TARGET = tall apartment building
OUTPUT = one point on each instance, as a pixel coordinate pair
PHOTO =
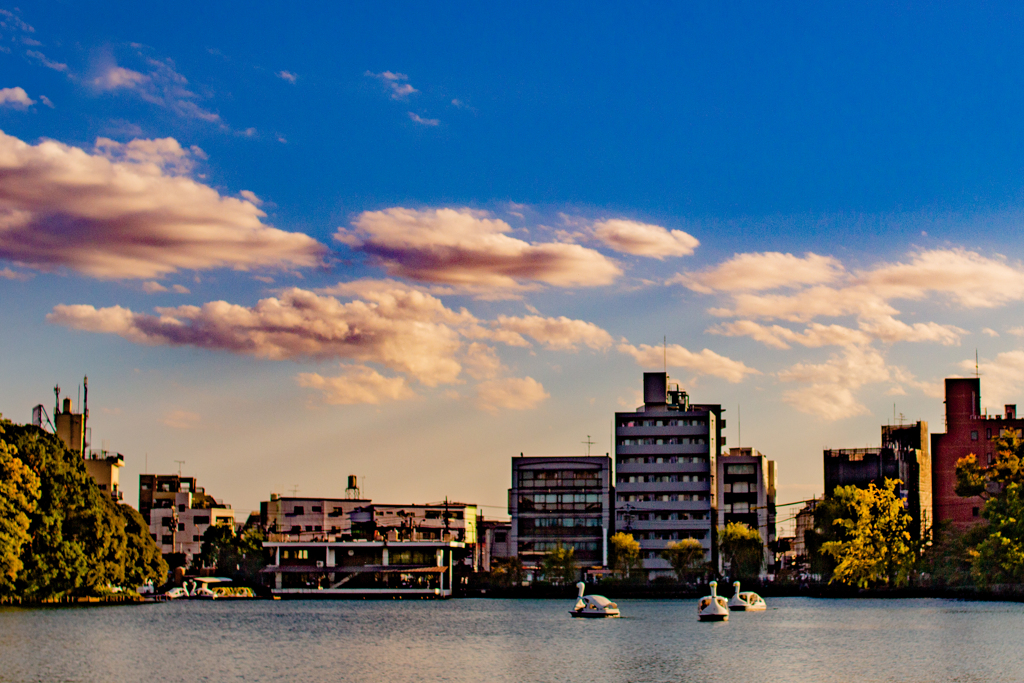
(561, 500)
(666, 457)
(179, 513)
(904, 455)
(968, 430)
(746, 485)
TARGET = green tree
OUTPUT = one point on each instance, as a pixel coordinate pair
(742, 550)
(686, 557)
(999, 555)
(19, 493)
(79, 541)
(560, 565)
(143, 561)
(840, 504)
(625, 553)
(877, 548)
(508, 572)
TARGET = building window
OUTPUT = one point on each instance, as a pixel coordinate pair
(166, 540)
(181, 526)
(195, 538)
(500, 537)
(201, 519)
(316, 508)
(974, 436)
(154, 536)
(988, 433)
(740, 469)
(181, 508)
(974, 512)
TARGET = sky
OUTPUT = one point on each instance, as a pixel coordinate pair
(409, 242)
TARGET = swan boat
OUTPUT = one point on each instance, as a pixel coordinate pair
(713, 607)
(593, 606)
(746, 601)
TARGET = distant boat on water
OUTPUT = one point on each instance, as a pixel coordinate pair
(713, 607)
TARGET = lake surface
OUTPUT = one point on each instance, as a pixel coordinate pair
(479, 641)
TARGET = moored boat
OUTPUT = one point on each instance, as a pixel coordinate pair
(746, 601)
(713, 607)
(593, 606)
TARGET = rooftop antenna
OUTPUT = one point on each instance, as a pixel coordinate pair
(295, 490)
(976, 362)
(589, 444)
(664, 351)
(180, 463)
(739, 426)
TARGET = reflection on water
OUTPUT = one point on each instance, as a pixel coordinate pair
(797, 639)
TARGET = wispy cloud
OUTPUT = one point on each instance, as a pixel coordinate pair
(357, 384)
(705, 362)
(182, 419)
(8, 274)
(287, 76)
(129, 211)
(48, 63)
(426, 122)
(396, 83)
(510, 393)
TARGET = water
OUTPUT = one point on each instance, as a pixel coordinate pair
(483, 641)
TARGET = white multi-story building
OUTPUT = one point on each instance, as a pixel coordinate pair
(179, 526)
(665, 463)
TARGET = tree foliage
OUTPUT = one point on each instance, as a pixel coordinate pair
(79, 541)
(625, 553)
(560, 565)
(240, 556)
(19, 493)
(999, 555)
(742, 550)
(686, 557)
(877, 547)
(508, 572)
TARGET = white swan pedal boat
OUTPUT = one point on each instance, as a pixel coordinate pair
(713, 607)
(593, 606)
(746, 601)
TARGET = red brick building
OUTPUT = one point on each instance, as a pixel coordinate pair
(968, 431)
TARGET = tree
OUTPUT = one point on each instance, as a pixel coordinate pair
(877, 548)
(841, 504)
(508, 572)
(625, 553)
(79, 540)
(19, 493)
(685, 556)
(143, 561)
(999, 556)
(560, 565)
(742, 550)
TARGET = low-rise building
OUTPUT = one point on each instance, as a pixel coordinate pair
(746, 493)
(561, 501)
(360, 569)
(307, 519)
(179, 513)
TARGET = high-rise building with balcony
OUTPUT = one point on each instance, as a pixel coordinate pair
(665, 462)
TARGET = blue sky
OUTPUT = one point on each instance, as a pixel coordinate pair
(818, 207)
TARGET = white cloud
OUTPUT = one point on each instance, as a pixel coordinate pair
(46, 100)
(468, 248)
(15, 98)
(763, 271)
(357, 384)
(180, 289)
(395, 82)
(128, 212)
(831, 385)
(422, 121)
(557, 333)
(8, 274)
(510, 393)
(779, 337)
(706, 362)
(990, 332)
(161, 85)
(287, 76)
(153, 287)
(643, 239)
